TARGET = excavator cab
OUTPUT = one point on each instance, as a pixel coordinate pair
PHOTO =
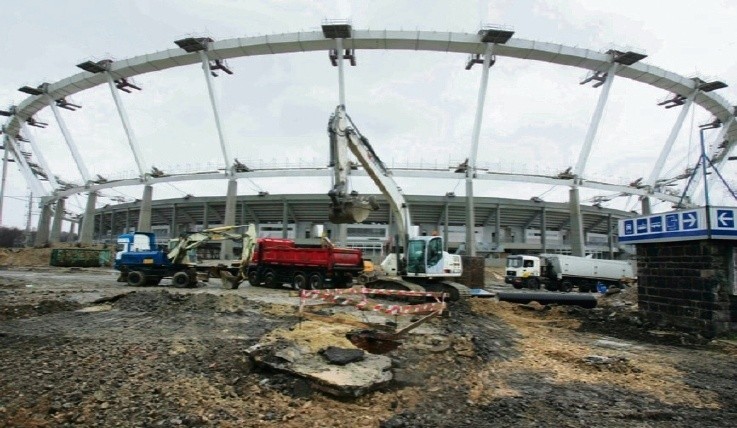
(423, 254)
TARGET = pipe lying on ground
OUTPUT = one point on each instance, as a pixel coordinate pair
(587, 301)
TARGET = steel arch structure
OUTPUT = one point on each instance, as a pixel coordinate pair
(50, 95)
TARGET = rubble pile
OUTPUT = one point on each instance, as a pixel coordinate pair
(19, 257)
(212, 357)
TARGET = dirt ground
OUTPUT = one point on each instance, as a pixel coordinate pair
(78, 348)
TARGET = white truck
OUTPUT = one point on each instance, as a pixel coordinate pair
(558, 272)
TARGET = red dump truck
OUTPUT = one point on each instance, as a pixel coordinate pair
(281, 261)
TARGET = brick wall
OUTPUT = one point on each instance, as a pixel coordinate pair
(473, 272)
(686, 285)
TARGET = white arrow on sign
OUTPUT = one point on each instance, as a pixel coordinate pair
(725, 219)
(689, 219)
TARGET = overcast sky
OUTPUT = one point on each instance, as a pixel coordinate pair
(413, 106)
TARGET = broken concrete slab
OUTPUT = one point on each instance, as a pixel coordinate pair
(342, 356)
(350, 380)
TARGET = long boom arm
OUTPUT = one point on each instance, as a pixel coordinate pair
(345, 134)
(194, 240)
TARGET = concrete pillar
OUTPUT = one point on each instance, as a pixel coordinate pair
(646, 209)
(88, 222)
(285, 221)
(144, 215)
(226, 248)
(174, 226)
(205, 213)
(112, 235)
(72, 225)
(127, 220)
(42, 231)
(578, 247)
(101, 227)
(447, 225)
(55, 236)
(498, 227)
(470, 217)
(543, 231)
(610, 236)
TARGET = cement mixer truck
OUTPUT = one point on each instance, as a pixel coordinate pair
(558, 272)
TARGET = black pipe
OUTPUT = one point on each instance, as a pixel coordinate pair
(587, 301)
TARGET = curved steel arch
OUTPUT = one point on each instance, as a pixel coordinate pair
(407, 173)
(389, 40)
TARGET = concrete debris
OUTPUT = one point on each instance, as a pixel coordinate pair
(342, 356)
(350, 380)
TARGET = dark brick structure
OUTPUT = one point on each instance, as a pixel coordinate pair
(688, 285)
(473, 272)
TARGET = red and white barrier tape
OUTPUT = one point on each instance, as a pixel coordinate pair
(339, 296)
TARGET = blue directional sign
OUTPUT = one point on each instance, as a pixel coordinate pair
(656, 224)
(671, 222)
(723, 223)
(725, 218)
(641, 225)
(690, 220)
(629, 227)
(686, 225)
(664, 227)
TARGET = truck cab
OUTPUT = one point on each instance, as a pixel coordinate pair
(521, 267)
(138, 248)
(137, 241)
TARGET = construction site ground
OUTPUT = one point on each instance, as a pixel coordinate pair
(79, 348)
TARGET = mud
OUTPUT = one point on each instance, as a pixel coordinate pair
(80, 349)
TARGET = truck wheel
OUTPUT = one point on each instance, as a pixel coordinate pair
(584, 287)
(270, 279)
(180, 280)
(136, 278)
(566, 286)
(551, 286)
(193, 281)
(533, 284)
(300, 282)
(315, 282)
(517, 285)
(253, 279)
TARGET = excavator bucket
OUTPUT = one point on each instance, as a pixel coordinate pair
(230, 281)
(353, 210)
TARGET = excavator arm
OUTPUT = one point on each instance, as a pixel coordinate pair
(187, 242)
(353, 208)
(249, 244)
(424, 256)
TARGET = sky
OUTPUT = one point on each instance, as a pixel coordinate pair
(415, 107)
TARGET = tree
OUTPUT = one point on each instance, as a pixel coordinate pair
(10, 237)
